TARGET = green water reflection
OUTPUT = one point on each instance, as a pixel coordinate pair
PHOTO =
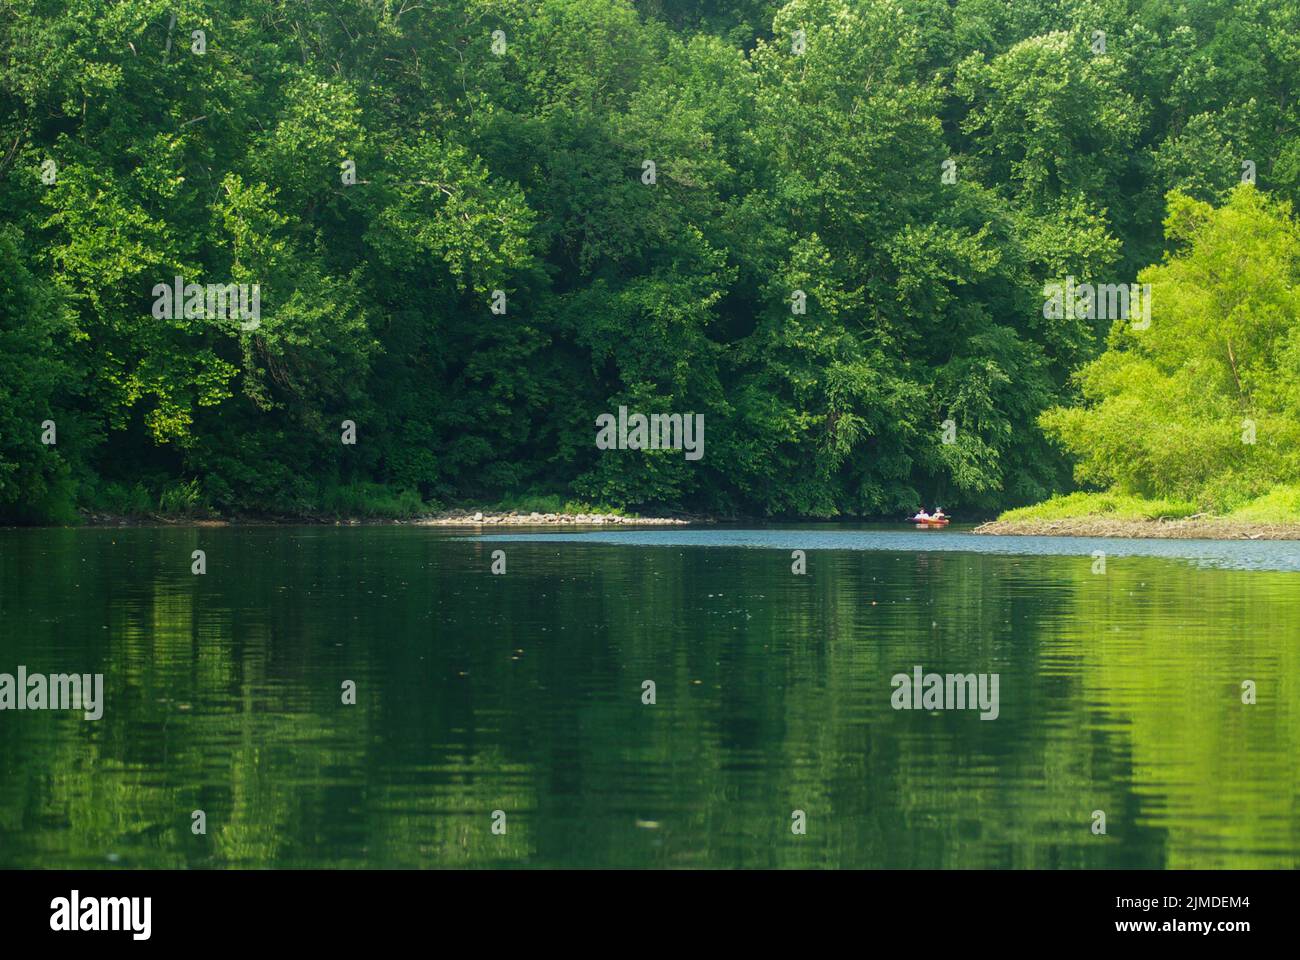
(1119, 692)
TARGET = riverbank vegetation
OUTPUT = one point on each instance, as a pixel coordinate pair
(1279, 505)
(358, 502)
(475, 227)
(1199, 414)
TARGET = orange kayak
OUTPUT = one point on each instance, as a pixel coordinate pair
(931, 524)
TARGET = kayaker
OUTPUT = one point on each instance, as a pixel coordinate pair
(938, 514)
(921, 515)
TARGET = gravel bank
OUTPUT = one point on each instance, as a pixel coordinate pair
(1197, 528)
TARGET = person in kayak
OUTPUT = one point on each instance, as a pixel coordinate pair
(921, 515)
(938, 514)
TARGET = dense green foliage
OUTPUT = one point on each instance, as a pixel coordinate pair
(1204, 406)
(521, 169)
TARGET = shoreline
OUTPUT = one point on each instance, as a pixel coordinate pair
(1193, 528)
(444, 518)
(462, 518)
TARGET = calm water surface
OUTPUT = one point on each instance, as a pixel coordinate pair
(1119, 692)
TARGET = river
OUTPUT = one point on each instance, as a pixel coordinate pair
(500, 720)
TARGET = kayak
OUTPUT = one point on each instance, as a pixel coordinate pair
(931, 524)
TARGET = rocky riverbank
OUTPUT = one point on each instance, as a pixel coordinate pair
(462, 518)
(1192, 528)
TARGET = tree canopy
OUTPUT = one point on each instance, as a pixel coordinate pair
(477, 225)
(1204, 405)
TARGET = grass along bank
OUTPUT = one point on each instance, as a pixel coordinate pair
(1273, 516)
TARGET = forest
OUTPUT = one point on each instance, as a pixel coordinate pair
(414, 250)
